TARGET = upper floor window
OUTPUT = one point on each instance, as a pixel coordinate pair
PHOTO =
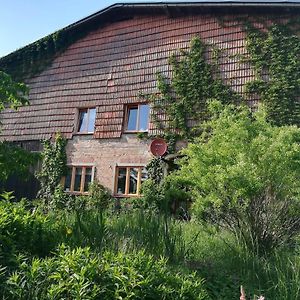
(86, 120)
(78, 179)
(128, 180)
(137, 117)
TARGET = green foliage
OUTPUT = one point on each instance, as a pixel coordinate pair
(23, 231)
(152, 196)
(81, 274)
(34, 58)
(157, 234)
(12, 94)
(99, 197)
(275, 56)
(155, 169)
(15, 160)
(244, 174)
(83, 228)
(184, 97)
(53, 167)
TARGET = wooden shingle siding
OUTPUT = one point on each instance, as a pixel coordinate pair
(112, 65)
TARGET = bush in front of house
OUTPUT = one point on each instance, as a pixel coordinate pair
(82, 274)
(243, 173)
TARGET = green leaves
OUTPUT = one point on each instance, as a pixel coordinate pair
(241, 170)
(82, 274)
(12, 94)
(53, 167)
(275, 57)
(183, 98)
(15, 160)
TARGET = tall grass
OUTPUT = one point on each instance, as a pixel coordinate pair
(157, 234)
(213, 254)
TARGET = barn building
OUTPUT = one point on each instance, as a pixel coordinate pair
(86, 79)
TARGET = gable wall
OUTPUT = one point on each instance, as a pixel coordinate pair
(110, 67)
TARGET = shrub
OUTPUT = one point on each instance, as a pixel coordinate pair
(81, 274)
(244, 174)
(99, 197)
(24, 231)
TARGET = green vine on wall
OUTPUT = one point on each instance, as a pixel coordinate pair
(36, 57)
(183, 99)
(275, 55)
(54, 161)
(155, 170)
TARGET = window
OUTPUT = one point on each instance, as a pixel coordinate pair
(86, 120)
(137, 117)
(128, 180)
(78, 179)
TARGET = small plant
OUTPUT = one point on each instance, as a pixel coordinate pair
(99, 197)
(7, 196)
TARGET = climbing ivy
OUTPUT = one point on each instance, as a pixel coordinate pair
(34, 58)
(183, 98)
(53, 167)
(275, 56)
(155, 170)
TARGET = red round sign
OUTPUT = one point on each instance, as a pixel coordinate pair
(158, 147)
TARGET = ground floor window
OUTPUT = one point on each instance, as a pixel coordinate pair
(78, 179)
(129, 179)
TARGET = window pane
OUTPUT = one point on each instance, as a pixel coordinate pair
(132, 118)
(144, 117)
(92, 118)
(88, 178)
(133, 180)
(121, 181)
(77, 181)
(68, 180)
(82, 126)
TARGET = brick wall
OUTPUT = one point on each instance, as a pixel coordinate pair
(106, 154)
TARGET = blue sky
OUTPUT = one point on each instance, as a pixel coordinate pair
(25, 21)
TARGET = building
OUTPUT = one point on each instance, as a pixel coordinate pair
(85, 80)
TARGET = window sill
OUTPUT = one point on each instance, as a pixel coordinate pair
(135, 131)
(77, 193)
(127, 196)
(83, 133)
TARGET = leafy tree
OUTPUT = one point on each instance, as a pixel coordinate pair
(12, 94)
(13, 159)
(244, 174)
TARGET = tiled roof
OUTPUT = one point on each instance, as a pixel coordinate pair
(113, 64)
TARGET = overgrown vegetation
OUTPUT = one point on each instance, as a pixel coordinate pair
(183, 98)
(244, 174)
(275, 56)
(133, 254)
(13, 159)
(54, 161)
